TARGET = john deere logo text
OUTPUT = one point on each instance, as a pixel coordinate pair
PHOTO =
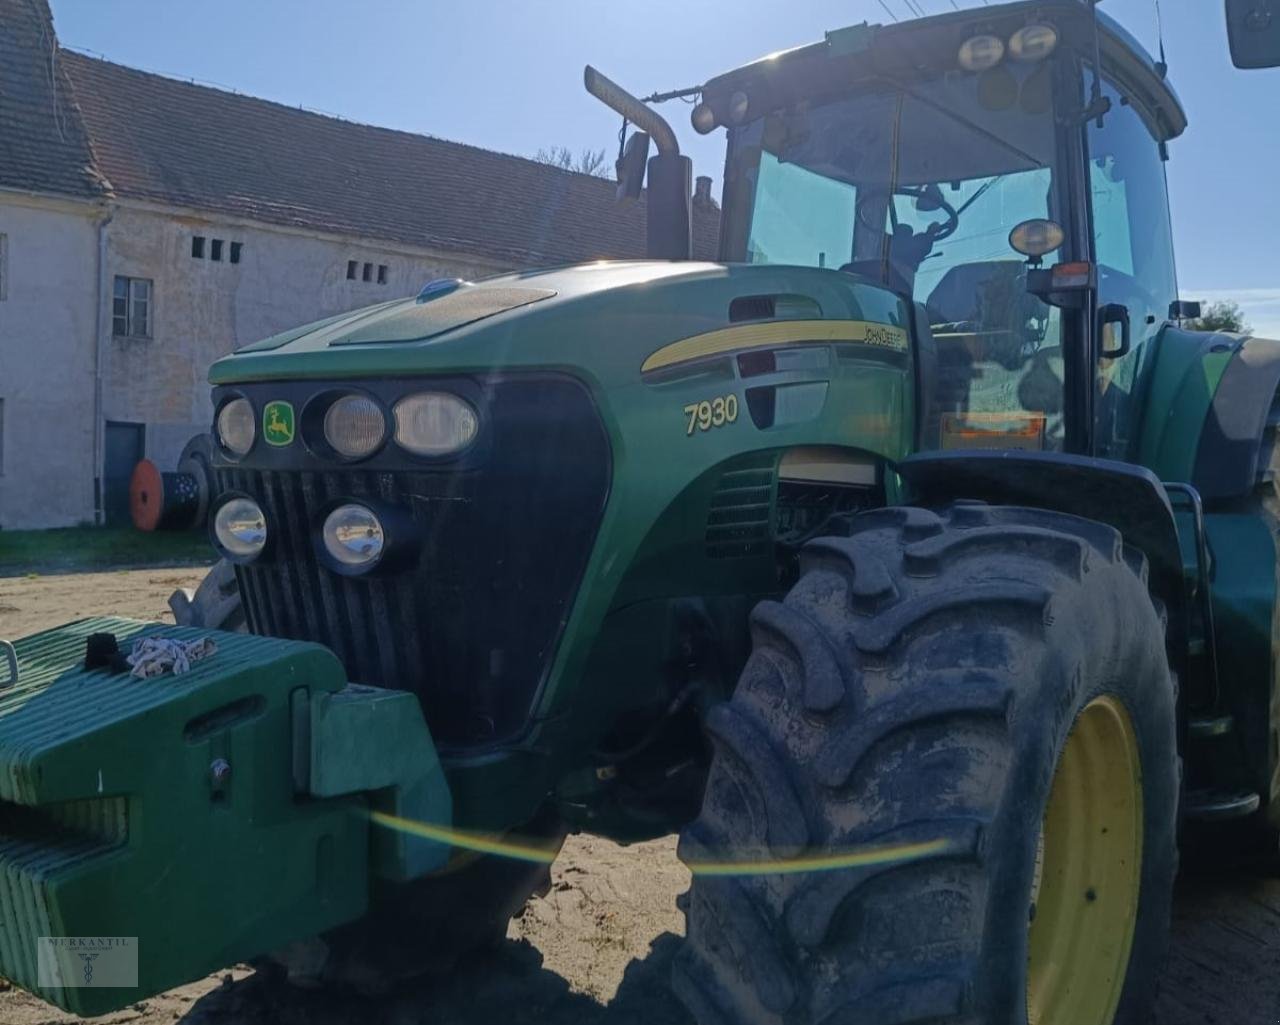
(277, 423)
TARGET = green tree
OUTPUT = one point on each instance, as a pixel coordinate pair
(1221, 316)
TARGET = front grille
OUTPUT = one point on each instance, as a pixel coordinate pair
(471, 622)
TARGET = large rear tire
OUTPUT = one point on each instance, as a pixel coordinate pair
(991, 681)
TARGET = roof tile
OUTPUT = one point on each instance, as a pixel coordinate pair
(43, 146)
(173, 142)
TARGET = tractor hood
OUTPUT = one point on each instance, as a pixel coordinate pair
(604, 322)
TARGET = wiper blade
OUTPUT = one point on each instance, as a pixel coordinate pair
(979, 194)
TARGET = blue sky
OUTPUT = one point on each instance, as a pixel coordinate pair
(507, 75)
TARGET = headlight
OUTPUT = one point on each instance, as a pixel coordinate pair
(240, 528)
(434, 424)
(981, 53)
(353, 537)
(1033, 43)
(236, 427)
(354, 426)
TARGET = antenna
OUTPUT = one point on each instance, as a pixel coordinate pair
(1098, 104)
(1162, 66)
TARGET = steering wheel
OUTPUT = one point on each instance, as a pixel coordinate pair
(927, 197)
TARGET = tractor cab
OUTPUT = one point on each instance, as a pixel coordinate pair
(1003, 169)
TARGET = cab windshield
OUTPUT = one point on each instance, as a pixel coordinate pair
(918, 186)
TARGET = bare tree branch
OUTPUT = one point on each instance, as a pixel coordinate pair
(589, 161)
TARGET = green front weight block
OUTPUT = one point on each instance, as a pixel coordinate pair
(209, 817)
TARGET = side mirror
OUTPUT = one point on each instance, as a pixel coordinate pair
(1108, 316)
(1253, 28)
(630, 166)
(1184, 309)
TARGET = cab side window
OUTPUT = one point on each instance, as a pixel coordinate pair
(1133, 245)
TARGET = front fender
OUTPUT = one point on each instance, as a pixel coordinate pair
(1129, 498)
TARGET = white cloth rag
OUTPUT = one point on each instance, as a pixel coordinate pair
(155, 656)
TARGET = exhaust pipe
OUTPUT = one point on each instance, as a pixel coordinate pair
(669, 205)
(645, 118)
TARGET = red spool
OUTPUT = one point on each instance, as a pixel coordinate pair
(162, 501)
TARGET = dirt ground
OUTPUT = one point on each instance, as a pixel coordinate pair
(596, 950)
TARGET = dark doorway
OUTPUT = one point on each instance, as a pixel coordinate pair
(125, 447)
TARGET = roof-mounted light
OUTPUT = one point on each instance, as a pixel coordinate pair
(703, 118)
(981, 53)
(1033, 43)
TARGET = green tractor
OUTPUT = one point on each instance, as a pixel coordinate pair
(913, 561)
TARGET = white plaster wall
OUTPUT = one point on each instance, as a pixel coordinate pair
(202, 310)
(46, 362)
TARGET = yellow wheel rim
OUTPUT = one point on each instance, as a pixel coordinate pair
(1084, 899)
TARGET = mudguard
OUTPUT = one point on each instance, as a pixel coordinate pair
(1206, 410)
(1127, 497)
(1230, 442)
(205, 818)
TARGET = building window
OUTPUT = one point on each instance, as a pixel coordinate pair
(357, 270)
(197, 247)
(215, 250)
(4, 267)
(131, 308)
(235, 251)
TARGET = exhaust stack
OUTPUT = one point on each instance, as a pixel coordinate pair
(643, 117)
(669, 208)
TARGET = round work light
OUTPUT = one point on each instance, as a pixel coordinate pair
(354, 426)
(236, 427)
(981, 52)
(240, 529)
(1033, 42)
(1037, 237)
(354, 537)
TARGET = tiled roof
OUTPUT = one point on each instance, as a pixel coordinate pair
(156, 138)
(42, 142)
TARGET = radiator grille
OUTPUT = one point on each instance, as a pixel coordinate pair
(499, 541)
(375, 625)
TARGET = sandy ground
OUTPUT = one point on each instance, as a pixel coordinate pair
(596, 949)
(37, 602)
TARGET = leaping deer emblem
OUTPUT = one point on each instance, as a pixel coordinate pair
(278, 423)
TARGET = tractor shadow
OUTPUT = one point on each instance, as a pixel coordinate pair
(507, 985)
(1224, 966)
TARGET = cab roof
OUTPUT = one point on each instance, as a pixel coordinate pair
(928, 46)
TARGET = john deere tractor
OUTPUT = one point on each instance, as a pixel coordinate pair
(913, 561)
